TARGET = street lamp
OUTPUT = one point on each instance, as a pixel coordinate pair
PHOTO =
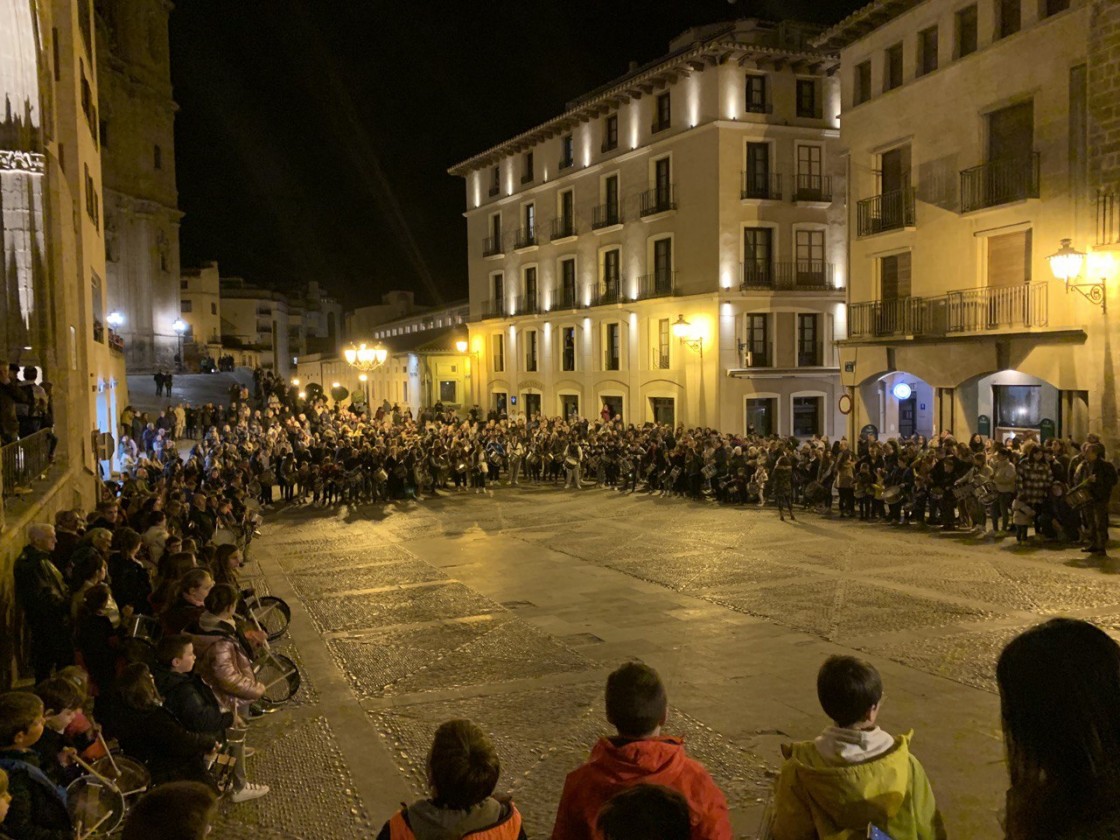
(180, 326)
(688, 335)
(115, 318)
(364, 357)
(1066, 265)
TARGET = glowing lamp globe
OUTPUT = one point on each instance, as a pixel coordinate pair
(1066, 263)
(901, 391)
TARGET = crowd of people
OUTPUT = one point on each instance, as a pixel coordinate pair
(165, 544)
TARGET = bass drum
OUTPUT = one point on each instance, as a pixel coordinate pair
(280, 677)
(129, 775)
(96, 808)
(272, 614)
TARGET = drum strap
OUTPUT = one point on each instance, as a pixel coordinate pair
(36, 775)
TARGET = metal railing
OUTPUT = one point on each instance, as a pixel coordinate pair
(609, 291)
(492, 245)
(1108, 217)
(567, 162)
(661, 283)
(525, 237)
(606, 215)
(903, 316)
(659, 199)
(526, 305)
(660, 125)
(25, 461)
(999, 182)
(494, 190)
(492, 309)
(608, 146)
(996, 307)
(116, 341)
(890, 211)
(768, 187)
(563, 227)
(760, 108)
(813, 188)
(567, 299)
(798, 274)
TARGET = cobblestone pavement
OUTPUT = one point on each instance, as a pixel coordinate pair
(512, 609)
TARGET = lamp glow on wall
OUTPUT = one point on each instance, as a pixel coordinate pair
(115, 319)
(688, 335)
(1066, 266)
(365, 357)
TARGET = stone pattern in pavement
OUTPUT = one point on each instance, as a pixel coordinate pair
(511, 610)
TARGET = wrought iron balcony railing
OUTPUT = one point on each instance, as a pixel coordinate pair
(526, 305)
(525, 237)
(809, 275)
(607, 292)
(563, 228)
(766, 187)
(813, 188)
(1108, 217)
(662, 283)
(606, 215)
(492, 245)
(1000, 182)
(659, 199)
(890, 211)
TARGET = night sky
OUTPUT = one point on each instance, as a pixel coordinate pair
(313, 138)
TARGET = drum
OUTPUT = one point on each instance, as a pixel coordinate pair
(753, 488)
(708, 471)
(224, 536)
(674, 474)
(814, 491)
(1078, 498)
(381, 476)
(129, 775)
(254, 488)
(272, 614)
(892, 495)
(280, 677)
(144, 629)
(571, 462)
(987, 494)
(936, 493)
(462, 467)
(96, 807)
(626, 466)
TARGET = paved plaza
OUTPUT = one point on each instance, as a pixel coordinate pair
(512, 609)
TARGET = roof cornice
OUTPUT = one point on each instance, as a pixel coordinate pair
(862, 21)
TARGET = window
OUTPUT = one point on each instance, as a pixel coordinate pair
(810, 174)
(448, 391)
(1010, 14)
(186, 306)
(966, 20)
(663, 265)
(663, 182)
(1052, 7)
(498, 344)
(526, 167)
(808, 340)
(894, 276)
(93, 209)
(807, 416)
(157, 157)
(756, 94)
(610, 199)
(762, 416)
(568, 284)
(55, 53)
(103, 131)
(565, 215)
(757, 256)
(1009, 259)
(662, 119)
(664, 410)
(809, 269)
(1017, 405)
(213, 309)
(530, 302)
(499, 290)
(612, 260)
(495, 180)
(758, 339)
(862, 91)
(892, 68)
(927, 51)
(612, 356)
(567, 153)
(98, 309)
(663, 344)
(531, 350)
(757, 179)
(568, 348)
(807, 98)
(610, 132)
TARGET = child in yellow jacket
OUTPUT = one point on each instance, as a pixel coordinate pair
(853, 774)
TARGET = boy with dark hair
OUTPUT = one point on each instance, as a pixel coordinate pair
(645, 812)
(38, 806)
(637, 707)
(463, 770)
(172, 811)
(61, 704)
(853, 774)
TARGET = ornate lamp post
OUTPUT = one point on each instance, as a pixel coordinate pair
(180, 326)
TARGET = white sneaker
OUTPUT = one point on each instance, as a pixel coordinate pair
(250, 791)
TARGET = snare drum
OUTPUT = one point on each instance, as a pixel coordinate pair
(571, 462)
(936, 493)
(892, 495)
(1078, 498)
(708, 471)
(129, 775)
(272, 614)
(96, 808)
(280, 676)
(987, 494)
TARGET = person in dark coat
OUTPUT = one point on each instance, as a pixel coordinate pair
(132, 587)
(96, 638)
(42, 593)
(68, 533)
(37, 810)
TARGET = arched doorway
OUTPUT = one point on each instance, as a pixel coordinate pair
(1009, 404)
(899, 404)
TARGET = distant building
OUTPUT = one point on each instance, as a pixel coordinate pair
(702, 190)
(979, 136)
(256, 320)
(315, 321)
(360, 322)
(201, 308)
(136, 131)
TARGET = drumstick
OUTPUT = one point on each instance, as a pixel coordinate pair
(105, 747)
(96, 825)
(94, 773)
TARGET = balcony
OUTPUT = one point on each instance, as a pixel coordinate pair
(807, 275)
(999, 182)
(660, 125)
(606, 215)
(813, 188)
(765, 187)
(98, 331)
(566, 299)
(492, 309)
(659, 200)
(890, 211)
(567, 163)
(977, 310)
(608, 146)
(116, 342)
(562, 228)
(526, 305)
(492, 246)
(527, 178)
(760, 108)
(494, 190)
(1108, 217)
(662, 283)
(606, 293)
(525, 237)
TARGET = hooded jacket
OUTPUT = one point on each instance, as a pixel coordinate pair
(618, 763)
(424, 820)
(832, 798)
(224, 664)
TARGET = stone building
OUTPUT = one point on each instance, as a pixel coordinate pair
(672, 245)
(978, 137)
(136, 128)
(255, 320)
(200, 306)
(53, 317)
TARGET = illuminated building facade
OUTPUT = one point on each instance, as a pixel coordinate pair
(702, 188)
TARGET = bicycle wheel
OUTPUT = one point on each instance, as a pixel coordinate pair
(272, 614)
(280, 676)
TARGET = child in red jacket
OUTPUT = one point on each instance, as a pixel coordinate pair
(637, 707)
